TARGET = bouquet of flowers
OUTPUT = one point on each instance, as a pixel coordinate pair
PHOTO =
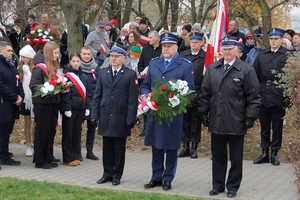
(50, 88)
(166, 100)
(38, 38)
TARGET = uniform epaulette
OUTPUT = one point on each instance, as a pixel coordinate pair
(186, 60)
(155, 58)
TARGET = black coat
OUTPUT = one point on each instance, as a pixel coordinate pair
(115, 102)
(265, 63)
(229, 98)
(147, 54)
(72, 100)
(198, 62)
(9, 91)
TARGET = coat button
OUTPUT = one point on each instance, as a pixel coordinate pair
(111, 106)
(111, 115)
(163, 77)
(112, 97)
(112, 88)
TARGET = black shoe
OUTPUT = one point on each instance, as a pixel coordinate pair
(10, 162)
(90, 155)
(103, 180)
(115, 182)
(153, 184)
(215, 192)
(53, 159)
(264, 158)
(274, 160)
(43, 166)
(166, 185)
(142, 134)
(53, 164)
(11, 154)
(231, 194)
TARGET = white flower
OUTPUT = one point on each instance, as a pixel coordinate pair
(32, 32)
(173, 86)
(46, 84)
(44, 90)
(39, 30)
(51, 38)
(174, 101)
(184, 91)
(40, 34)
(64, 80)
(50, 88)
(44, 36)
(46, 33)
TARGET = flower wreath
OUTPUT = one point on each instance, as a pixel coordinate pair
(38, 38)
(166, 100)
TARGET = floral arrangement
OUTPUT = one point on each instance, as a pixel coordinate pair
(38, 38)
(166, 100)
(50, 88)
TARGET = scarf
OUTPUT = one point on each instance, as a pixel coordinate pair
(87, 67)
(26, 80)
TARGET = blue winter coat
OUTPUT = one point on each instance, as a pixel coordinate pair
(162, 136)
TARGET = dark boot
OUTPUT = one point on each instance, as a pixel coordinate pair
(185, 152)
(78, 156)
(274, 160)
(264, 158)
(90, 155)
(194, 153)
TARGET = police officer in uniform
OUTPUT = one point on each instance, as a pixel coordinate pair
(272, 98)
(229, 104)
(162, 137)
(115, 105)
(191, 121)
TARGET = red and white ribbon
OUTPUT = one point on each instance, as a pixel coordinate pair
(17, 80)
(93, 73)
(146, 104)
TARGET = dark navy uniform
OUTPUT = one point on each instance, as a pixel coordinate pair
(162, 136)
(115, 104)
(191, 121)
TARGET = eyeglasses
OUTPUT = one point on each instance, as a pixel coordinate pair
(248, 38)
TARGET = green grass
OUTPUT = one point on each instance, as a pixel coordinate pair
(14, 189)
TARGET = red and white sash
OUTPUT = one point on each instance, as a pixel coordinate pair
(78, 84)
(43, 67)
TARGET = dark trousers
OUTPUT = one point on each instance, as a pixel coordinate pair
(220, 160)
(5, 130)
(90, 137)
(71, 134)
(45, 116)
(271, 117)
(114, 149)
(191, 126)
(159, 171)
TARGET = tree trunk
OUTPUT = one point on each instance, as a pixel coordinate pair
(174, 17)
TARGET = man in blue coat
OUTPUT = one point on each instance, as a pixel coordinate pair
(163, 137)
(115, 104)
(11, 97)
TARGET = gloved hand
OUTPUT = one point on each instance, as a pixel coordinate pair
(94, 123)
(286, 102)
(204, 120)
(130, 125)
(68, 113)
(249, 123)
(87, 112)
(98, 53)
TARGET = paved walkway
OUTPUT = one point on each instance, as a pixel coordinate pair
(193, 178)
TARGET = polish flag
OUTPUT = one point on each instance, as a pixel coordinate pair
(144, 39)
(102, 49)
(219, 30)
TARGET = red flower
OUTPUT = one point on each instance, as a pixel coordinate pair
(163, 88)
(54, 83)
(171, 95)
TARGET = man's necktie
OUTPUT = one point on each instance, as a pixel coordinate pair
(115, 72)
(166, 66)
(226, 66)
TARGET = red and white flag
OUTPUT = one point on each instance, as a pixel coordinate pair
(144, 39)
(219, 30)
(102, 49)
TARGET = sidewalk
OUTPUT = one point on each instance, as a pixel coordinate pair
(193, 177)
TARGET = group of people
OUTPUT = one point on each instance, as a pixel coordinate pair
(114, 67)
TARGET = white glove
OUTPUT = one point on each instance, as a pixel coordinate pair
(87, 112)
(68, 113)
